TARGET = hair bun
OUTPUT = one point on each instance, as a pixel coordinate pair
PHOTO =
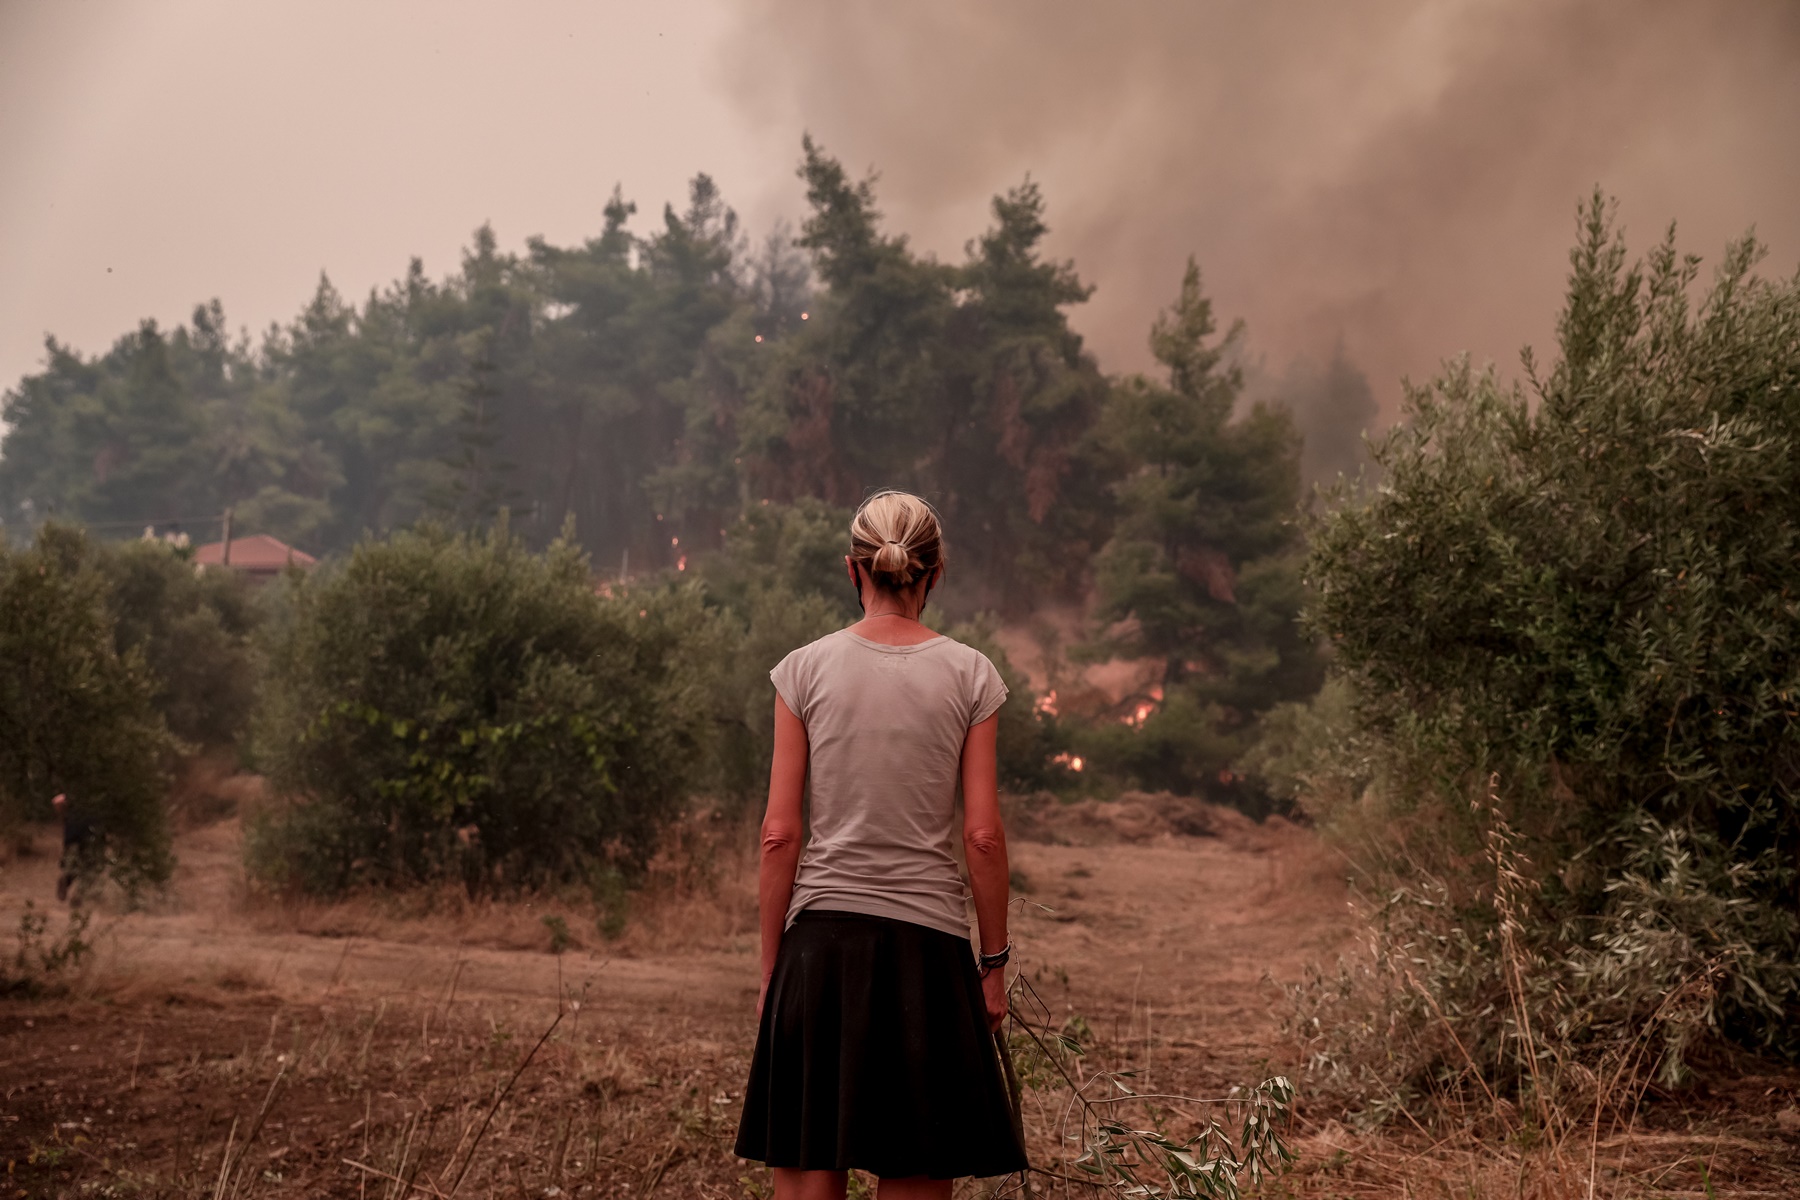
(896, 538)
(890, 559)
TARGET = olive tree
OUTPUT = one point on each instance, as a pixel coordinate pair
(453, 706)
(1586, 590)
(77, 715)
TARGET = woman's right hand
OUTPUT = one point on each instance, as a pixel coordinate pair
(993, 996)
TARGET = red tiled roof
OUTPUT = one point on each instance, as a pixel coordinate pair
(258, 552)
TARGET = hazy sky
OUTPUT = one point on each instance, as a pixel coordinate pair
(1400, 175)
(156, 154)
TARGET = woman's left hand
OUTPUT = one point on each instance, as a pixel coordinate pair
(993, 995)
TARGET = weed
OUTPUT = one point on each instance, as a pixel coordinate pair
(1126, 1146)
(41, 958)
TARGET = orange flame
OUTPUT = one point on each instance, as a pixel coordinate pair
(1140, 712)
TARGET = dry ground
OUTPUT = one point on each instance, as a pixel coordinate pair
(219, 1045)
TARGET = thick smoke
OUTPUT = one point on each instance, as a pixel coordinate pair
(1397, 178)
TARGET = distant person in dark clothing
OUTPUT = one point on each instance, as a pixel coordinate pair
(81, 843)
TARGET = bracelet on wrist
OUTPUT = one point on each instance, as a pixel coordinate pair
(987, 962)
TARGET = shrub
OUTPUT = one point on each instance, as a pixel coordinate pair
(773, 621)
(792, 549)
(1308, 755)
(1181, 746)
(76, 715)
(453, 706)
(1467, 994)
(194, 630)
(42, 957)
(1595, 597)
(778, 584)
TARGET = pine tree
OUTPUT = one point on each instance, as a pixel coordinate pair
(1202, 570)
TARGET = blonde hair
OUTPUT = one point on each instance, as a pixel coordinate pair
(896, 538)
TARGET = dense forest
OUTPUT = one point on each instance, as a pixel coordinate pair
(653, 386)
(680, 404)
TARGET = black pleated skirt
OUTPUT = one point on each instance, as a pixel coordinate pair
(874, 1054)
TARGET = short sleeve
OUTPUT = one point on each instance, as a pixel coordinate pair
(791, 680)
(988, 693)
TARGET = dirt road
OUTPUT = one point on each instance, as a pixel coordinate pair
(1184, 927)
(179, 1025)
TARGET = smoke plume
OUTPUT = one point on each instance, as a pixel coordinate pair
(1397, 178)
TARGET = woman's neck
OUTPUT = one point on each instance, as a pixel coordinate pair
(892, 628)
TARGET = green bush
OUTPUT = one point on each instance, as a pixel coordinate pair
(772, 621)
(793, 549)
(42, 958)
(448, 706)
(1309, 756)
(777, 584)
(1593, 593)
(76, 714)
(194, 630)
(1182, 747)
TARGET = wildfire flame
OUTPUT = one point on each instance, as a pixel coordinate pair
(1046, 704)
(1141, 711)
(1071, 761)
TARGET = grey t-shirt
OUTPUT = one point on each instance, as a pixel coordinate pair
(885, 727)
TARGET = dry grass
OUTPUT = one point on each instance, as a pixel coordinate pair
(211, 786)
(382, 1034)
(700, 889)
(1586, 1118)
(1699, 1162)
(698, 892)
(355, 1099)
(451, 1098)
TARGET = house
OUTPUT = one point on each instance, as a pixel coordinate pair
(259, 557)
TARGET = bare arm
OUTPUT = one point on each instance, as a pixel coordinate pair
(984, 845)
(783, 831)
